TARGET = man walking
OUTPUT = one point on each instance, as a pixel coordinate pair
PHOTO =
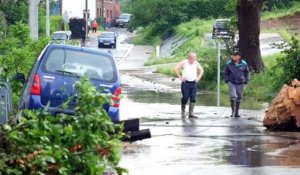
(191, 75)
(236, 74)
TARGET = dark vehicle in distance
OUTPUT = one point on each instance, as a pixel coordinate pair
(221, 29)
(107, 39)
(123, 20)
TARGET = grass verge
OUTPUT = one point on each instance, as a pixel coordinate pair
(279, 13)
(194, 31)
(144, 37)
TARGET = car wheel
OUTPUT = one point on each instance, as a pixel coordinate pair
(99, 45)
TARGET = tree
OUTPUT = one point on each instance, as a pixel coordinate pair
(249, 12)
(14, 10)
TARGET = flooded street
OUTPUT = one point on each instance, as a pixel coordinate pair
(212, 144)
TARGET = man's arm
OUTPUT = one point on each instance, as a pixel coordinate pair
(177, 69)
(247, 74)
(200, 72)
(226, 74)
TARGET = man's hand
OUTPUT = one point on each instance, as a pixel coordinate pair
(198, 79)
(182, 79)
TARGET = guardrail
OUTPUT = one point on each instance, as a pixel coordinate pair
(6, 106)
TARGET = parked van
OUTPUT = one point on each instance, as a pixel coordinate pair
(59, 67)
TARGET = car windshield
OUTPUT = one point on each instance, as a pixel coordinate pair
(107, 35)
(124, 16)
(220, 24)
(79, 63)
(59, 36)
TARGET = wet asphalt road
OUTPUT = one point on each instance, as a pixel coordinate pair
(212, 144)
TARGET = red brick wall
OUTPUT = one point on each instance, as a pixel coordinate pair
(112, 8)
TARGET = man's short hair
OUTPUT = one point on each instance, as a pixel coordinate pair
(235, 53)
(192, 53)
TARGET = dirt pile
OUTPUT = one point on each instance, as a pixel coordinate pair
(292, 23)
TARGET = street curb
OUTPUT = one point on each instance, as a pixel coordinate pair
(127, 53)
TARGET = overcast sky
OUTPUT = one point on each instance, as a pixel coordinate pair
(75, 8)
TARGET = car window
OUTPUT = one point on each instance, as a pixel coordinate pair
(94, 66)
(59, 36)
(220, 24)
(107, 35)
(124, 17)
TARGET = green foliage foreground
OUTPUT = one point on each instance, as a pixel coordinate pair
(17, 55)
(88, 143)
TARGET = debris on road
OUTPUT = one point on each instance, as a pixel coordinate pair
(284, 112)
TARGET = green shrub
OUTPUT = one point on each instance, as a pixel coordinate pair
(56, 23)
(3, 25)
(290, 63)
(87, 143)
(18, 53)
(146, 37)
(270, 5)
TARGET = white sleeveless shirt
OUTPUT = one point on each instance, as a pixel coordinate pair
(189, 72)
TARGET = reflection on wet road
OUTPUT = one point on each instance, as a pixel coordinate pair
(174, 150)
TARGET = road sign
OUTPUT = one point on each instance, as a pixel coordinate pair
(66, 17)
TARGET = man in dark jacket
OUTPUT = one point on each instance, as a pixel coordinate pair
(236, 75)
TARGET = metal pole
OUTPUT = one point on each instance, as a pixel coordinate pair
(86, 18)
(33, 11)
(157, 51)
(219, 73)
(47, 18)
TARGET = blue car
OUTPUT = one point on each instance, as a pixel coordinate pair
(59, 67)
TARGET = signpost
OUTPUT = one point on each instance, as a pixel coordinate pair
(86, 19)
(219, 40)
(219, 74)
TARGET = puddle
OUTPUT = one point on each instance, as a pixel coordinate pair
(203, 99)
(256, 152)
(197, 154)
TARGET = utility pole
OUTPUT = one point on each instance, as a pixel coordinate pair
(33, 11)
(86, 19)
(47, 18)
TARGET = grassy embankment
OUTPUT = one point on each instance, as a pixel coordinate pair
(283, 30)
(279, 13)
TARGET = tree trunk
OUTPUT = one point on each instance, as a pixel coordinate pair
(249, 29)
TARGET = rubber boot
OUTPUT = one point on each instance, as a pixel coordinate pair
(233, 108)
(191, 110)
(237, 110)
(183, 111)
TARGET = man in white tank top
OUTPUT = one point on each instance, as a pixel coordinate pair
(191, 75)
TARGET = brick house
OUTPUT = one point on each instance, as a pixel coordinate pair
(108, 9)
